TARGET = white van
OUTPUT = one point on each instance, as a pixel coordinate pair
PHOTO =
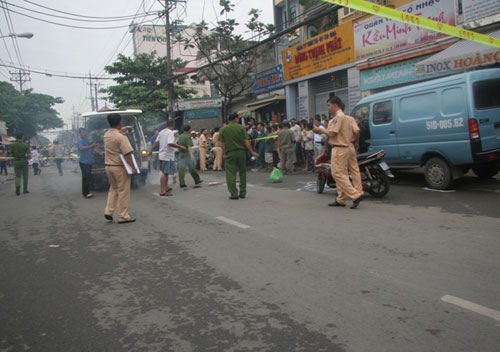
(96, 124)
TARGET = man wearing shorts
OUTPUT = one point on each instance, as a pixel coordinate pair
(166, 155)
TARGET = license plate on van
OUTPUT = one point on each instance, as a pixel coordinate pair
(384, 166)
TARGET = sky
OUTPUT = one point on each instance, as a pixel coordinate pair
(74, 51)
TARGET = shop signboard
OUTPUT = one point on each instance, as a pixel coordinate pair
(149, 38)
(269, 79)
(393, 74)
(476, 9)
(198, 103)
(462, 62)
(379, 35)
(201, 114)
(332, 48)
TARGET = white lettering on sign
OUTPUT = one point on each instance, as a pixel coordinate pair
(445, 124)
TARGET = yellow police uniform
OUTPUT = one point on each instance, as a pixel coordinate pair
(217, 152)
(341, 154)
(203, 153)
(352, 165)
(115, 144)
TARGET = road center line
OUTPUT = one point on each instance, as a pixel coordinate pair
(488, 312)
(232, 222)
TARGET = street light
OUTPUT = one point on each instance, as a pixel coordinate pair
(26, 35)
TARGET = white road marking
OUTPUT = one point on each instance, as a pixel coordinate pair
(232, 222)
(487, 312)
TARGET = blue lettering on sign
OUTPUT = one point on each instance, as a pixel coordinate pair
(269, 79)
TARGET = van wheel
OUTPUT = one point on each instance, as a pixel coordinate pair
(487, 171)
(438, 173)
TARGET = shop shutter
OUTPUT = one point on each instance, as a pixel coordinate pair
(325, 83)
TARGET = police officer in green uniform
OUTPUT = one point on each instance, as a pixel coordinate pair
(186, 158)
(234, 138)
(20, 151)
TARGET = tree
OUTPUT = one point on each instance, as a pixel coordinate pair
(142, 83)
(29, 112)
(232, 77)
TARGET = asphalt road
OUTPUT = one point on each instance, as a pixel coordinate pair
(277, 271)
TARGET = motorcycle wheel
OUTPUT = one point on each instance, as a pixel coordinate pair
(380, 183)
(320, 184)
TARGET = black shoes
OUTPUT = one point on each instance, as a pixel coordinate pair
(234, 197)
(242, 196)
(356, 202)
(18, 190)
(336, 204)
(25, 191)
(126, 221)
(108, 217)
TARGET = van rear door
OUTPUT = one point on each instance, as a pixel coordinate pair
(486, 94)
(383, 130)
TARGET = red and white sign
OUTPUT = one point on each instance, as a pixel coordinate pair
(379, 35)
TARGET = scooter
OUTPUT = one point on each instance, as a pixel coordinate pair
(375, 173)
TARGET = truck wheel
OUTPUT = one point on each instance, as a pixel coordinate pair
(438, 173)
(380, 183)
(486, 171)
(320, 184)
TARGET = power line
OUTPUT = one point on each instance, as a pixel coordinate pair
(75, 19)
(78, 15)
(62, 24)
(28, 69)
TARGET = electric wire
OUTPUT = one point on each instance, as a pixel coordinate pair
(78, 15)
(74, 19)
(65, 25)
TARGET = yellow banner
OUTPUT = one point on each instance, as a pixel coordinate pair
(332, 48)
(418, 21)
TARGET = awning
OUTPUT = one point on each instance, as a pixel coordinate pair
(256, 105)
(462, 55)
(266, 101)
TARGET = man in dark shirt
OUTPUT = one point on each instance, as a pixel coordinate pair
(20, 152)
(186, 158)
(85, 151)
(234, 138)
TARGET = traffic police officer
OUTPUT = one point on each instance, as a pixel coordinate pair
(341, 136)
(234, 139)
(20, 151)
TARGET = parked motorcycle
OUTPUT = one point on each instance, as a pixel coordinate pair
(375, 173)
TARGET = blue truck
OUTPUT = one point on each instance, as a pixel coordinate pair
(447, 125)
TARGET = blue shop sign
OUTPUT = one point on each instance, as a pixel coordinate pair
(269, 79)
(201, 113)
(394, 74)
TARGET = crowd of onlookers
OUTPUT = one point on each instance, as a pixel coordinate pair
(276, 147)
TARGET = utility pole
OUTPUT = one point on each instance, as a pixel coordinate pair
(91, 93)
(170, 83)
(96, 85)
(20, 76)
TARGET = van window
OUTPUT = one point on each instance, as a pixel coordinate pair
(453, 101)
(362, 111)
(486, 94)
(382, 112)
(420, 106)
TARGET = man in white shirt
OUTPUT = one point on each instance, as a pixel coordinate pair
(35, 159)
(319, 143)
(295, 127)
(166, 139)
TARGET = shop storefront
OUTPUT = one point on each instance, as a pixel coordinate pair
(270, 105)
(387, 51)
(317, 69)
(201, 112)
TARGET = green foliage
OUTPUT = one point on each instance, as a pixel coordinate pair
(141, 84)
(232, 77)
(29, 112)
